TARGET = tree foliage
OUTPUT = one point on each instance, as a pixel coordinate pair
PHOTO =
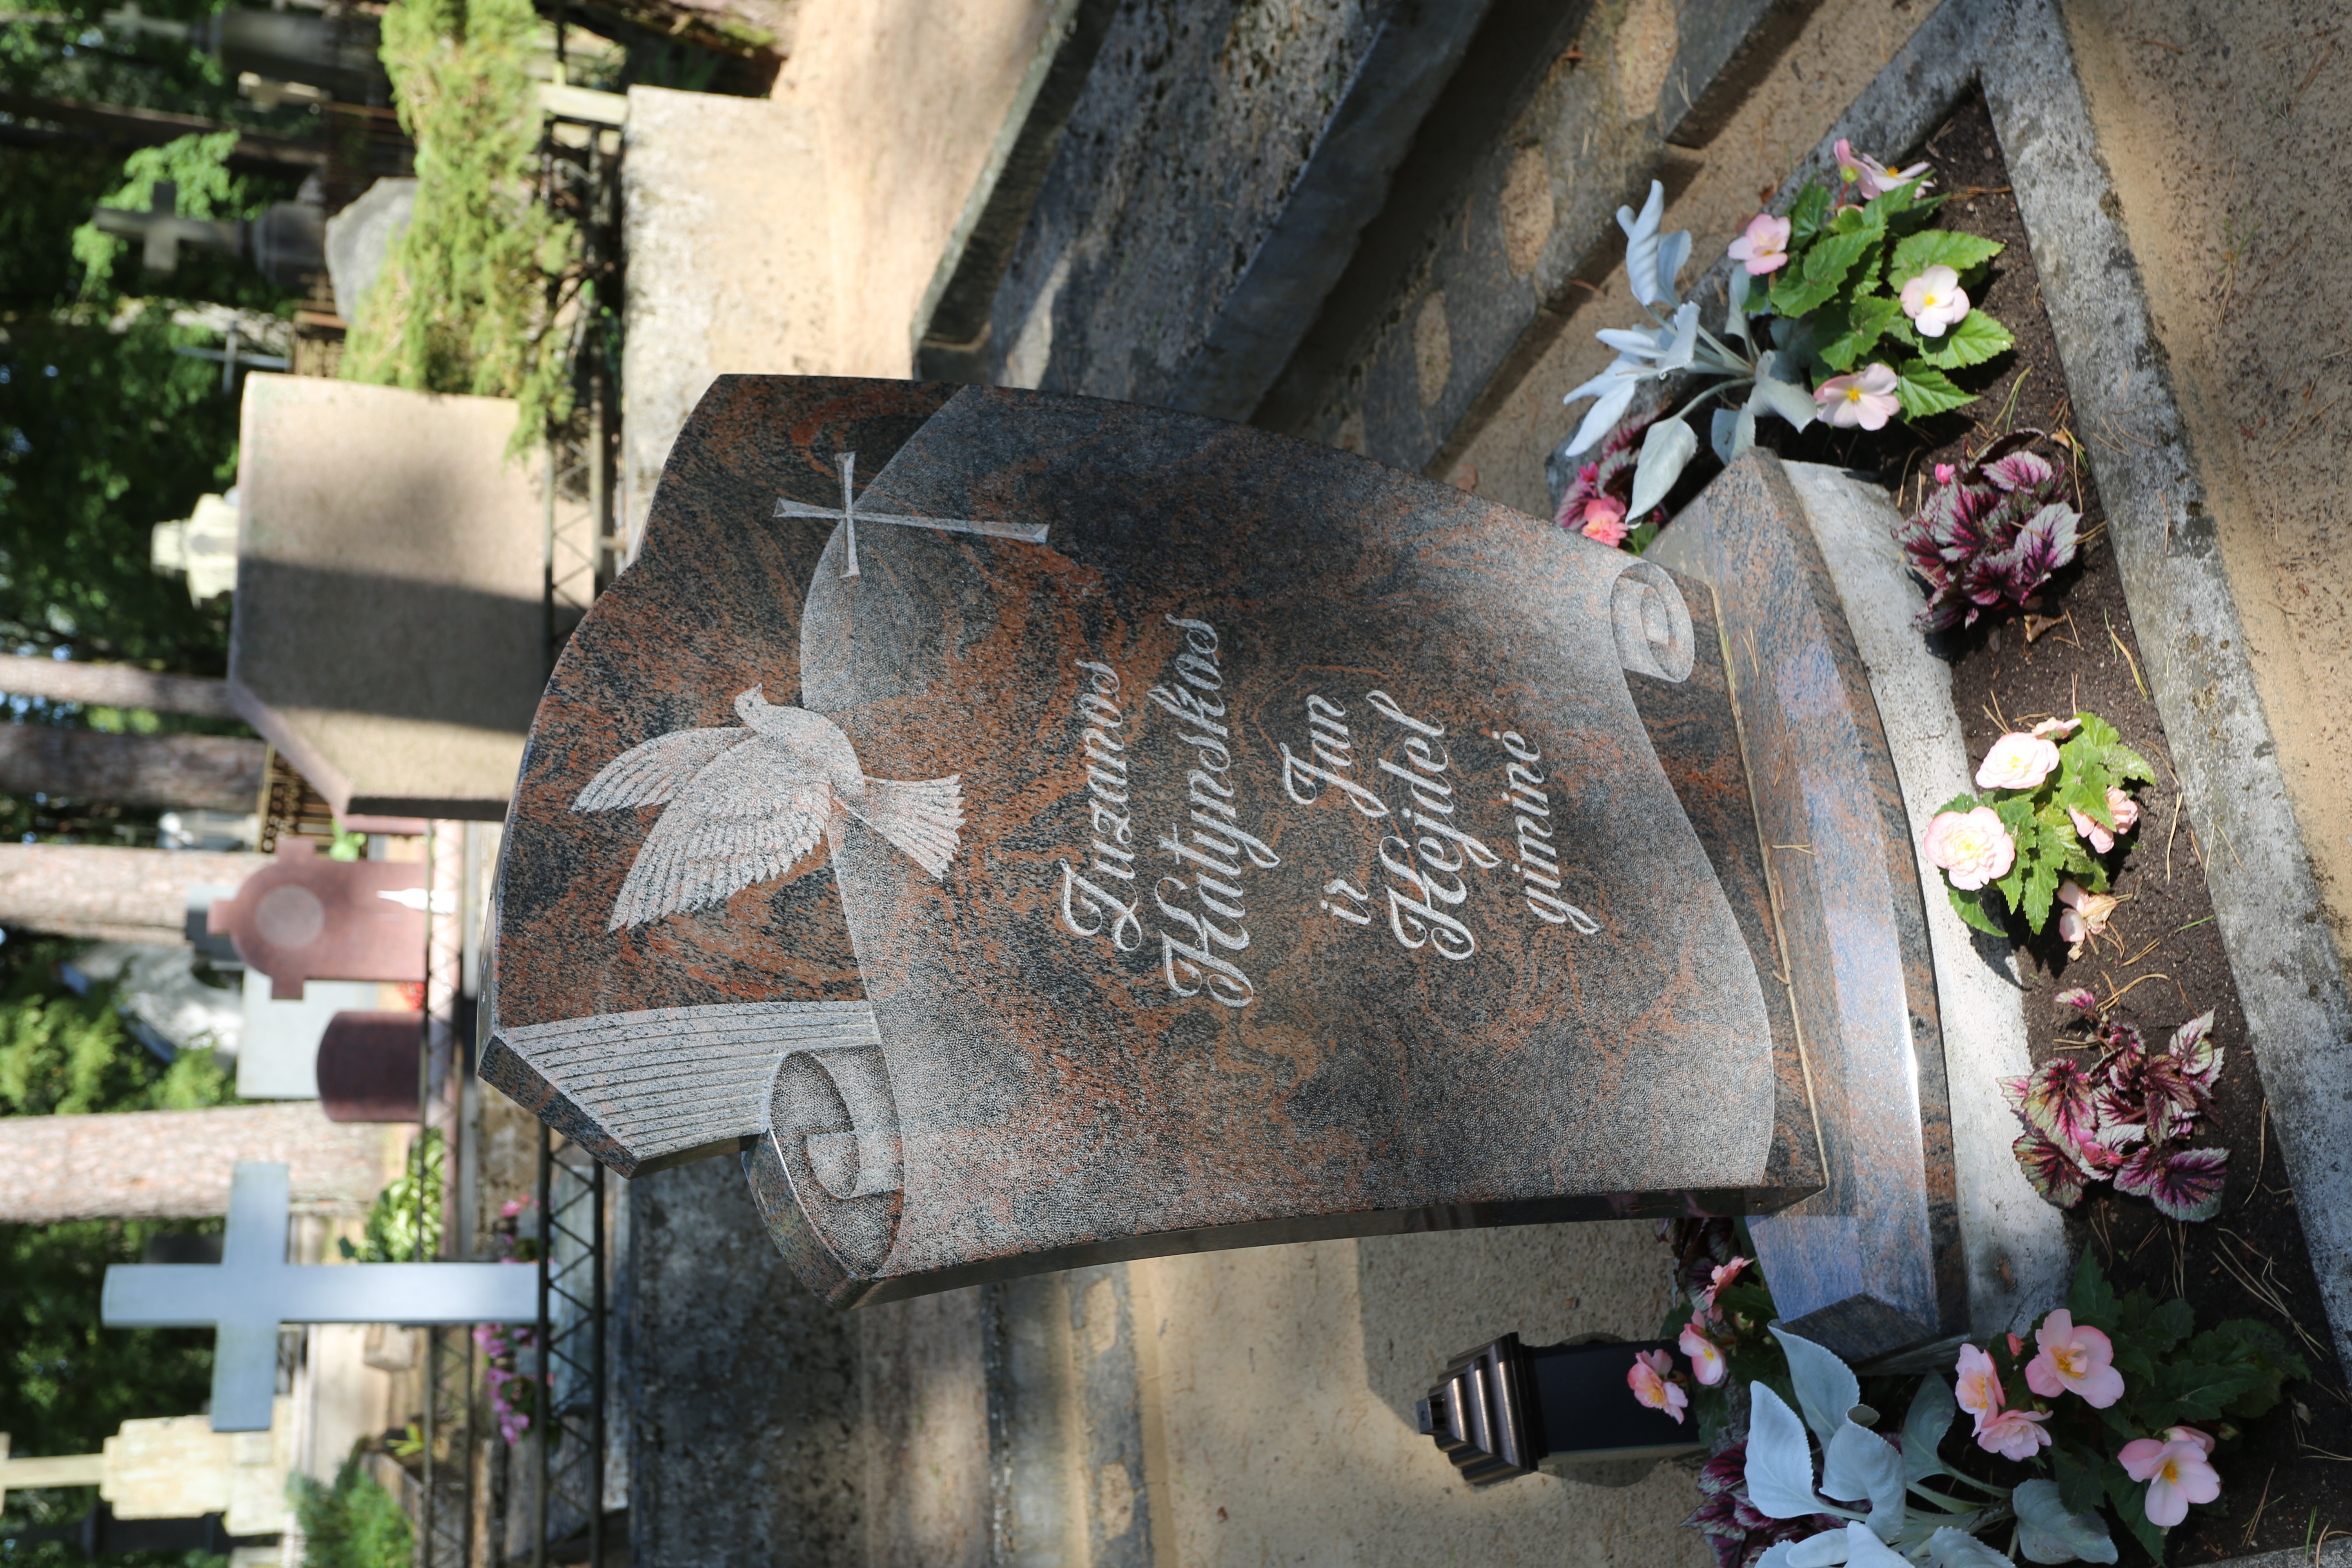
(353, 1524)
(105, 432)
(463, 303)
(66, 1383)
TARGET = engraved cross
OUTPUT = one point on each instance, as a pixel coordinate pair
(849, 517)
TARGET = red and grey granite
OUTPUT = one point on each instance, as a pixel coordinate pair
(1170, 837)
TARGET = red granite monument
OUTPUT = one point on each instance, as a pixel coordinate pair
(1033, 830)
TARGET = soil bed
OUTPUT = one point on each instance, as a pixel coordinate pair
(2287, 1479)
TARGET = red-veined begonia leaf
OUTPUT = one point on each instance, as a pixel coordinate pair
(2184, 1185)
(2051, 1170)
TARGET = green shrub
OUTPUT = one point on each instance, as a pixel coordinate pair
(463, 301)
(355, 1523)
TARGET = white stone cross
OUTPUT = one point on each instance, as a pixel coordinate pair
(849, 517)
(252, 1289)
(53, 1470)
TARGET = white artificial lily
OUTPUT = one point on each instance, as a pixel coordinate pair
(1673, 342)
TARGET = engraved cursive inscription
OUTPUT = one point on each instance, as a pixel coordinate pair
(1538, 862)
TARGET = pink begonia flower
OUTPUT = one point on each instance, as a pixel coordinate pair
(2016, 1345)
(2084, 916)
(2055, 729)
(1706, 1355)
(1717, 1279)
(2177, 1474)
(1944, 472)
(2121, 806)
(2014, 1435)
(2077, 1359)
(1971, 848)
(1875, 178)
(1604, 520)
(2017, 761)
(1866, 397)
(1763, 246)
(1935, 301)
(1647, 1378)
(2189, 1435)
(1979, 1386)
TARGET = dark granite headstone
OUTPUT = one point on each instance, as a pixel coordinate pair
(1129, 834)
(367, 1066)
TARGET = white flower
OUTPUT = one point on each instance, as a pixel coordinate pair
(1934, 300)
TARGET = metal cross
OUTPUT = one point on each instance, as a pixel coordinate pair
(252, 1289)
(849, 517)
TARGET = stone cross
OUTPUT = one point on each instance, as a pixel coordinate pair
(848, 517)
(253, 1290)
(52, 1470)
(162, 231)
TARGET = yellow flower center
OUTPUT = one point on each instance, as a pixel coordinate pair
(2170, 1472)
(2069, 1360)
(1929, 301)
(1853, 394)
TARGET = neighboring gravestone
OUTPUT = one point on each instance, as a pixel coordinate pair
(306, 917)
(253, 1290)
(391, 623)
(368, 1067)
(1068, 831)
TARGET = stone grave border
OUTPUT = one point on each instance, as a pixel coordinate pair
(2290, 975)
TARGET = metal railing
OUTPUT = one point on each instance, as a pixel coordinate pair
(569, 1497)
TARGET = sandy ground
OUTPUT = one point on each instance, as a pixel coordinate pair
(2225, 126)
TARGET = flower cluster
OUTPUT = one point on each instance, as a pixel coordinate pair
(2071, 1359)
(1992, 531)
(514, 1395)
(1599, 499)
(2124, 1118)
(2122, 1398)
(2052, 809)
(2121, 1401)
(1867, 310)
(509, 1241)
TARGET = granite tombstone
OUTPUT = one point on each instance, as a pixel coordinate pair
(1033, 830)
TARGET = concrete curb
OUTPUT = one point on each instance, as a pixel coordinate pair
(2016, 1243)
(2290, 975)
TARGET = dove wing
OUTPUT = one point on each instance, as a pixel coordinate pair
(651, 773)
(747, 815)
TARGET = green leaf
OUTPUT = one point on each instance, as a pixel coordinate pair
(2127, 1500)
(2040, 891)
(2171, 1324)
(1972, 340)
(2083, 780)
(1804, 286)
(1806, 211)
(1925, 390)
(2080, 1485)
(2090, 1299)
(1971, 908)
(1941, 247)
(2201, 1392)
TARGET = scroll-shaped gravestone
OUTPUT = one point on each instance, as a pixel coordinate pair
(1072, 831)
